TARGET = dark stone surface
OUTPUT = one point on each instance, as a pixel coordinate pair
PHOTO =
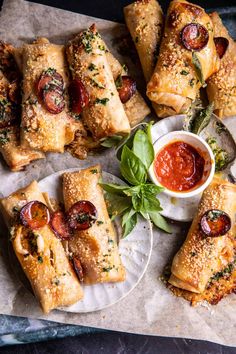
(106, 342)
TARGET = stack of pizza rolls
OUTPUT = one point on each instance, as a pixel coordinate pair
(61, 249)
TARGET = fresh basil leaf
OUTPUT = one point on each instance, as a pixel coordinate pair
(128, 141)
(198, 69)
(160, 222)
(137, 201)
(149, 131)
(129, 225)
(149, 204)
(143, 148)
(202, 119)
(111, 141)
(132, 190)
(127, 215)
(151, 189)
(132, 168)
(145, 215)
(114, 188)
(116, 204)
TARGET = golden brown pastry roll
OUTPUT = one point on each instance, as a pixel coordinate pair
(39, 251)
(221, 86)
(96, 247)
(46, 122)
(144, 19)
(187, 58)
(135, 107)
(103, 112)
(205, 252)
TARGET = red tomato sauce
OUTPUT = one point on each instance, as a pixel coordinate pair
(179, 166)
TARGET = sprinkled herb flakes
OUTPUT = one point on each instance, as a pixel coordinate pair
(4, 136)
(102, 101)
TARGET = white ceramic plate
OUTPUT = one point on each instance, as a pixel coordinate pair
(178, 209)
(135, 251)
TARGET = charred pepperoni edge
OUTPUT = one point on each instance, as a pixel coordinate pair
(197, 43)
(221, 44)
(25, 215)
(49, 97)
(78, 268)
(85, 208)
(127, 89)
(79, 96)
(221, 215)
(60, 226)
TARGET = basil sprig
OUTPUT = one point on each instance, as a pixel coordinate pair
(138, 197)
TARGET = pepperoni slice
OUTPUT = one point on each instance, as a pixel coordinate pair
(194, 36)
(221, 44)
(35, 215)
(50, 78)
(126, 88)
(60, 226)
(53, 100)
(82, 215)
(78, 268)
(78, 95)
(215, 223)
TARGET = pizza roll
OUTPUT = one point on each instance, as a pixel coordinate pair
(187, 58)
(210, 244)
(134, 105)
(38, 250)
(96, 247)
(46, 123)
(144, 19)
(15, 156)
(221, 86)
(103, 112)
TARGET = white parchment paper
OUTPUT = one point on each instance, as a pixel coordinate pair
(150, 308)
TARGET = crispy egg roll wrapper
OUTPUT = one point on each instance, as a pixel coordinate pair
(52, 278)
(41, 129)
(144, 19)
(95, 247)
(15, 156)
(105, 114)
(175, 83)
(201, 257)
(135, 108)
(221, 86)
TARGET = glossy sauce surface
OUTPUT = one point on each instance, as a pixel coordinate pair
(179, 166)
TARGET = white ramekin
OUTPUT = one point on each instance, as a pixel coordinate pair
(201, 146)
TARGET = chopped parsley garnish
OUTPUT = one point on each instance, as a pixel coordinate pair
(102, 47)
(92, 67)
(100, 222)
(184, 72)
(221, 156)
(220, 128)
(119, 82)
(4, 138)
(107, 269)
(102, 101)
(191, 82)
(97, 84)
(94, 171)
(50, 71)
(55, 281)
(86, 39)
(40, 259)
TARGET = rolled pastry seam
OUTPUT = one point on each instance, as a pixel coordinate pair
(41, 254)
(201, 257)
(95, 247)
(105, 114)
(221, 86)
(175, 82)
(15, 156)
(41, 129)
(144, 19)
(135, 108)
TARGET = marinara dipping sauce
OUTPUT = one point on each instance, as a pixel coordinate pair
(178, 166)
